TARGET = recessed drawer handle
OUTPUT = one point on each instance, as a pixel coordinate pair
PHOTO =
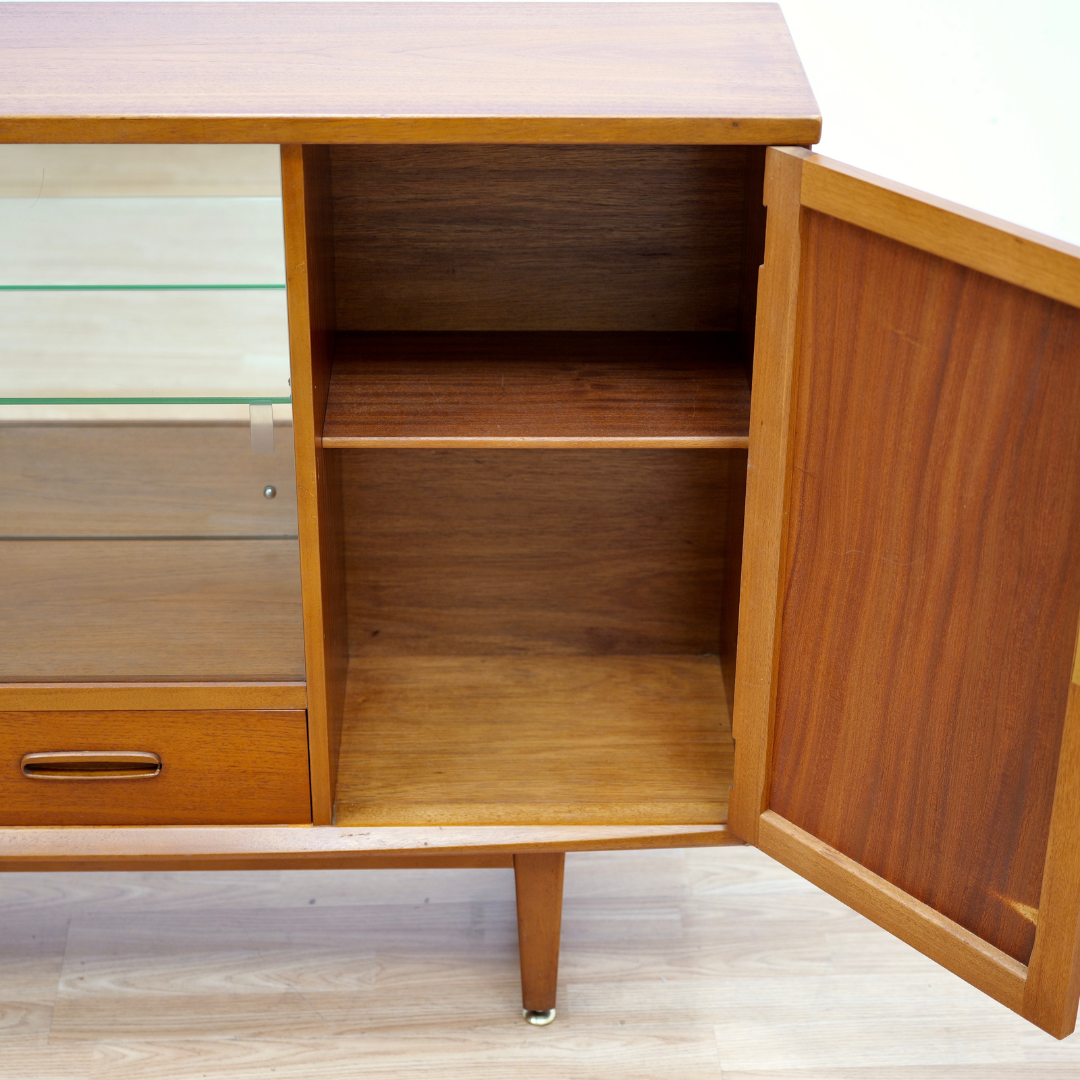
(91, 765)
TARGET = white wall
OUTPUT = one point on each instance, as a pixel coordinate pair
(972, 100)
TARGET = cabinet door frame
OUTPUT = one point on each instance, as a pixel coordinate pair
(1046, 990)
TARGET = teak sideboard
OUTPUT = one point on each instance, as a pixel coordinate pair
(659, 483)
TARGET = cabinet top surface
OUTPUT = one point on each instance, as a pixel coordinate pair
(401, 72)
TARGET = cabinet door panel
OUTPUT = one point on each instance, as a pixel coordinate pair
(932, 589)
(922, 591)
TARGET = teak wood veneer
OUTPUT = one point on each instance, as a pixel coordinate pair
(803, 572)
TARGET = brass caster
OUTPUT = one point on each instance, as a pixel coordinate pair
(539, 1017)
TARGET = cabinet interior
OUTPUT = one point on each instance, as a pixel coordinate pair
(140, 551)
(538, 411)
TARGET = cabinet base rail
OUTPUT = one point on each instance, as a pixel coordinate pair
(538, 874)
(282, 847)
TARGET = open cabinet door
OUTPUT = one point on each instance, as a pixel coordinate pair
(907, 703)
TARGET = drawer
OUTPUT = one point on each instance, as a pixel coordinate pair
(154, 768)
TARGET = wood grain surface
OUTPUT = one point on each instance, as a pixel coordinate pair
(731, 591)
(753, 253)
(515, 238)
(528, 552)
(538, 389)
(534, 741)
(305, 187)
(978, 241)
(637, 73)
(150, 610)
(766, 496)
(166, 864)
(538, 886)
(931, 596)
(1053, 989)
(144, 480)
(239, 847)
(676, 965)
(217, 768)
(948, 943)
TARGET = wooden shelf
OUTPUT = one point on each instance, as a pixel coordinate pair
(555, 740)
(535, 390)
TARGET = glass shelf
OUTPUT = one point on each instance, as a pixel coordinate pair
(164, 344)
(141, 242)
(134, 288)
(161, 549)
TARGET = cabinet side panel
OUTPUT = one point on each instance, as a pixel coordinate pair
(932, 591)
(538, 237)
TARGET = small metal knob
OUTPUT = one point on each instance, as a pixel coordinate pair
(269, 491)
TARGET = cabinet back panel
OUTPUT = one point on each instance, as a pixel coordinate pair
(539, 237)
(545, 552)
(157, 610)
(144, 480)
(932, 590)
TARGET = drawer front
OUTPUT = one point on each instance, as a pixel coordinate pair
(154, 768)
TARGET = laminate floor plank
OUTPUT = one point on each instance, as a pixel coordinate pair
(914, 1072)
(632, 874)
(230, 890)
(461, 1053)
(696, 964)
(35, 1059)
(31, 954)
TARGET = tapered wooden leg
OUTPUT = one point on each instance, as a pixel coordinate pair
(539, 882)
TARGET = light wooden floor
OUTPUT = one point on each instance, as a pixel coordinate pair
(711, 963)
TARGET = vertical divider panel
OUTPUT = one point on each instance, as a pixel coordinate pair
(305, 176)
(766, 494)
